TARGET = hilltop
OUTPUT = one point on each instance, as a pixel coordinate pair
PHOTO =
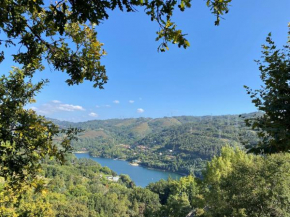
(180, 144)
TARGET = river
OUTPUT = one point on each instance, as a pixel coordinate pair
(140, 175)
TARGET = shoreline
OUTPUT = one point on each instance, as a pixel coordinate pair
(133, 164)
(168, 171)
(81, 152)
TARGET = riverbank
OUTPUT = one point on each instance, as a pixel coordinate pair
(140, 164)
(80, 152)
(140, 175)
(161, 170)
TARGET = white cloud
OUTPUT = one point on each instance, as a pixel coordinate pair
(107, 106)
(131, 101)
(93, 114)
(70, 108)
(97, 106)
(57, 106)
(140, 110)
(116, 101)
(56, 101)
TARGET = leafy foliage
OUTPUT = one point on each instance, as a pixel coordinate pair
(44, 31)
(26, 138)
(178, 198)
(80, 188)
(240, 184)
(218, 8)
(273, 100)
(235, 184)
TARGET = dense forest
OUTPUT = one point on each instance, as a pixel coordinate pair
(179, 144)
(82, 188)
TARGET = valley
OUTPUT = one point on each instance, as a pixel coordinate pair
(178, 144)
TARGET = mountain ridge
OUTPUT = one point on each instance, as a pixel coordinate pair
(180, 144)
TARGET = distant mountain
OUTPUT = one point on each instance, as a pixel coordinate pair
(180, 144)
(122, 130)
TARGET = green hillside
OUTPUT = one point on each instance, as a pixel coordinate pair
(179, 144)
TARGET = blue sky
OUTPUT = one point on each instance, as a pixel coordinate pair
(205, 79)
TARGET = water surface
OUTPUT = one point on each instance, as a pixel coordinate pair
(140, 175)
